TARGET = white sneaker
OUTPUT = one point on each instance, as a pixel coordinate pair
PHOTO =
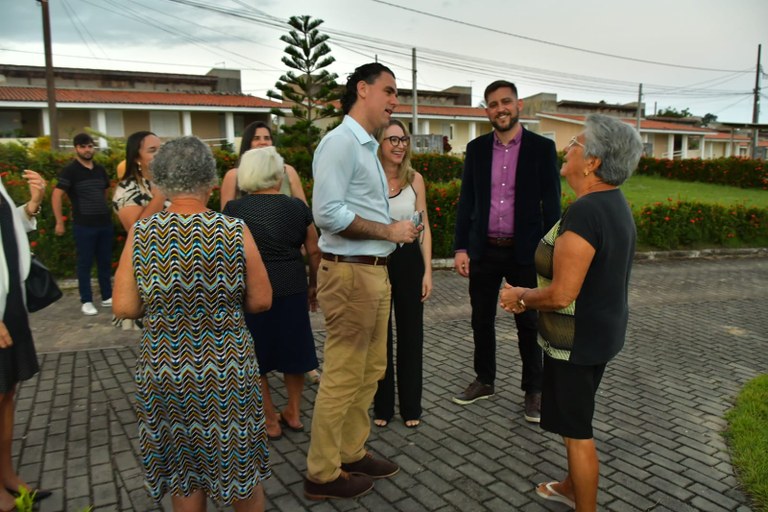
(89, 309)
(107, 303)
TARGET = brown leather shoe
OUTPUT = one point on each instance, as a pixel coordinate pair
(346, 486)
(374, 468)
(474, 392)
(533, 407)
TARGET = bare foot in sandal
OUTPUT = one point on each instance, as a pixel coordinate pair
(412, 423)
(380, 422)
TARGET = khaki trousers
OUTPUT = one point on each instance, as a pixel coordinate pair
(355, 300)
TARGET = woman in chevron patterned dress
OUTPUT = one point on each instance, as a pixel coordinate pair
(191, 271)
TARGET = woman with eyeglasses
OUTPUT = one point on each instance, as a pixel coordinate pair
(410, 274)
(583, 265)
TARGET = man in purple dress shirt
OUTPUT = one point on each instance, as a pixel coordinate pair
(510, 197)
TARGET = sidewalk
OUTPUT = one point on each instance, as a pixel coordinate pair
(698, 331)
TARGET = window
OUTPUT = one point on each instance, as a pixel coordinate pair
(165, 124)
(115, 126)
(10, 123)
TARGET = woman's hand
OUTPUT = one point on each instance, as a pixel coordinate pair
(426, 286)
(509, 296)
(312, 298)
(5, 336)
(36, 190)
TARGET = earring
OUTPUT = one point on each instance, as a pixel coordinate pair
(138, 166)
(586, 173)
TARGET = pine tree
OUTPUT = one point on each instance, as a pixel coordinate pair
(311, 88)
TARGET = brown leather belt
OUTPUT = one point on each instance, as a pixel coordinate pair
(501, 242)
(363, 260)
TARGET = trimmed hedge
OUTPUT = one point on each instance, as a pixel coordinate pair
(438, 168)
(733, 171)
(665, 225)
(678, 224)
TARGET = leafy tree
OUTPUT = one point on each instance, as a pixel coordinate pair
(311, 88)
(673, 112)
(708, 119)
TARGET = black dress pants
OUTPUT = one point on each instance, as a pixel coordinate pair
(406, 271)
(485, 278)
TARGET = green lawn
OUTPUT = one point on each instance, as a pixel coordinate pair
(747, 435)
(644, 190)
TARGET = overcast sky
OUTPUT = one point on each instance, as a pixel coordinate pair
(695, 54)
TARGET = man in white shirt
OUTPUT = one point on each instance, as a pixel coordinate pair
(350, 206)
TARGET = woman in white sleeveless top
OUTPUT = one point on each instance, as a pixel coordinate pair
(410, 273)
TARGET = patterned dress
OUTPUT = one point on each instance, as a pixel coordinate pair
(201, 421)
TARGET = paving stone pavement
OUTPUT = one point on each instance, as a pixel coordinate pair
(697, 333)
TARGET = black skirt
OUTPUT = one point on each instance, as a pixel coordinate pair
(19, 361)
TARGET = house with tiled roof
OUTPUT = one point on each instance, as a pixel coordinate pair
(460, 124)
(118, 103)
(662, 139)
(447, 113)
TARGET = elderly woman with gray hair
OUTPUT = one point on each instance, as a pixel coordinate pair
(283, 335)
(191, 271)
(583, 267)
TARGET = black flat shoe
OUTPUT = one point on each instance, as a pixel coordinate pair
(40, 494)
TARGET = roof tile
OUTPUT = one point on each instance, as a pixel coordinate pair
(36, 94)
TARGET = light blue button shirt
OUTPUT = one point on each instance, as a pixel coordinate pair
(349, 181)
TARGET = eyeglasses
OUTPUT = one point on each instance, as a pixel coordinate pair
(573, 142)
(396, 141)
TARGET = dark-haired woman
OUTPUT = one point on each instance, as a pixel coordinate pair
(259, 135)
(134, 197)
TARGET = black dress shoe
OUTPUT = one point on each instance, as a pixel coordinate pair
(40, 494)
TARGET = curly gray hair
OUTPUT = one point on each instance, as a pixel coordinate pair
(184, 166)
(616, 144)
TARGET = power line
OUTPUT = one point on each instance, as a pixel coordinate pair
(443, 60)
(132, 61)
(399, 56)
(76, 23)
(549, 43)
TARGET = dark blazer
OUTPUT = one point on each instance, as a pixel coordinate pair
(537, 196)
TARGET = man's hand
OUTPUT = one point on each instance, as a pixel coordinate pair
(403, 232)
(59, 228)
(461, 264)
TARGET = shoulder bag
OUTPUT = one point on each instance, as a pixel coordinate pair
(42, 290)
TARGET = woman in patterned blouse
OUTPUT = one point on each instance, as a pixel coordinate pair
(134, 197)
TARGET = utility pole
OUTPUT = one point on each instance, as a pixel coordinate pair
(415, 95)
(639, 108)
(756, 104)
(49, 80)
